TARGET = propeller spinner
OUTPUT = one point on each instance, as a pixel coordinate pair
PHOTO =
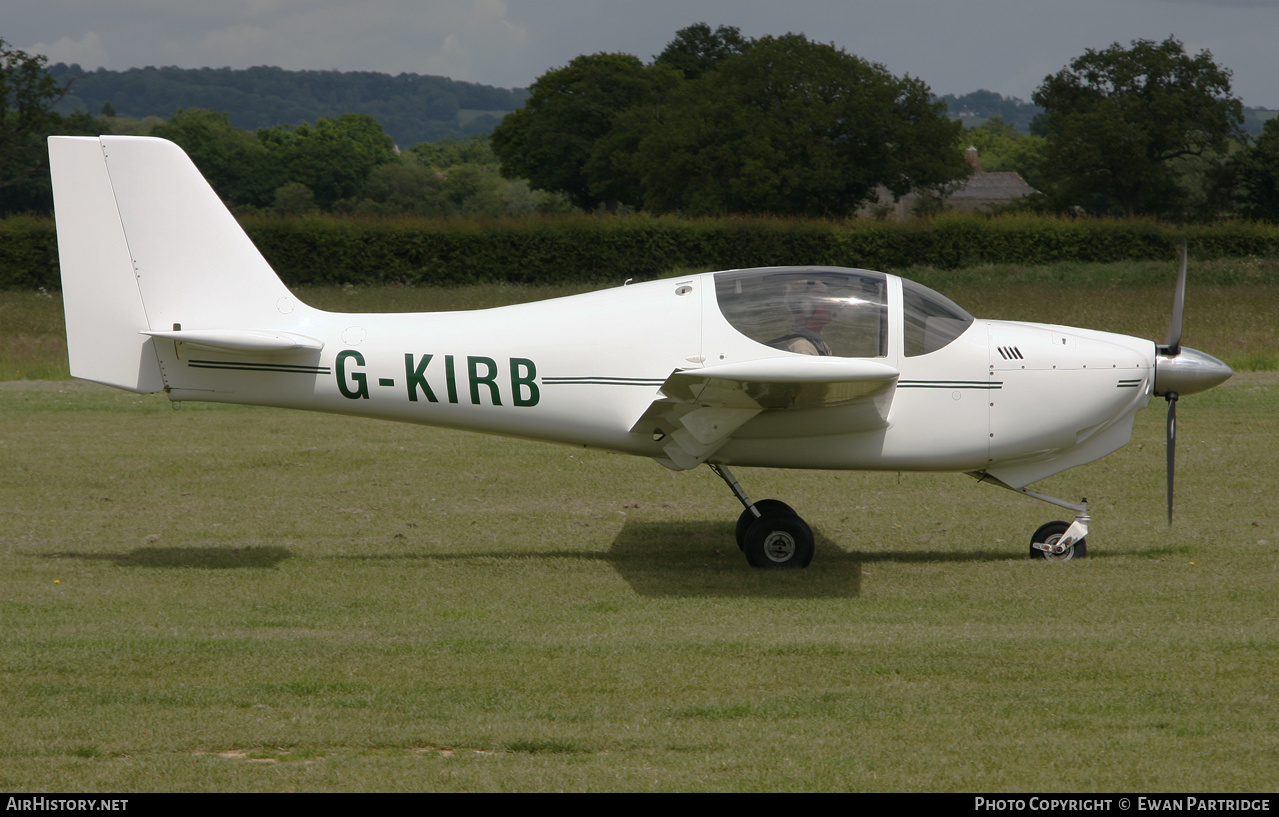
(1181, 370)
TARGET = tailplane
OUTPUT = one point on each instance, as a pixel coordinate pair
(147, 250)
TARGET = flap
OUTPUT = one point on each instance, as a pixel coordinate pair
(702, 408)
(795, 382)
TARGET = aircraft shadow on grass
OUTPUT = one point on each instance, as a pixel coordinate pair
(699, 558)
(206, 557)
(676, 559)
(656, 558)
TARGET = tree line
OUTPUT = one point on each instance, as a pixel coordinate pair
(412, 108)
(977, 107)
(340, 164)
(348, 164)
(719, 124)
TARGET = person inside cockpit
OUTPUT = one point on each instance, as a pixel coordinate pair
(810, 310)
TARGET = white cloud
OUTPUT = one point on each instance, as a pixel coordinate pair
(472, 42)
(229, 45)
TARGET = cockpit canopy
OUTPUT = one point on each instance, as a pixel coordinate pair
(834, 311)
(930, 320)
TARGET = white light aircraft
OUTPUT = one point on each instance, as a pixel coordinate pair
(784, 367)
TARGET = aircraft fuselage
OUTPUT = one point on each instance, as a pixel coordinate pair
(580, 370)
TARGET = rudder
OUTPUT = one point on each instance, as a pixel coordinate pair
(146, 245)
(102, 303)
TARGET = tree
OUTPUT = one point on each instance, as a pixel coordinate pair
(235, 162)
(988, 105)
(794, 127)
(464, 178)
(334, 158)
(1122, 123)
(293, 199)
(1002, 148)
(778, 125)
(27, 96)
(697, 50)
(1259, 175)
(550, 139)
(453, 151)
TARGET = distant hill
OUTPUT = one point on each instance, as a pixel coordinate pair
(975, 108)
(412, 108)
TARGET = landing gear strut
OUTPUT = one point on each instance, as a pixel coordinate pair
(769, 532)
(1055, 541)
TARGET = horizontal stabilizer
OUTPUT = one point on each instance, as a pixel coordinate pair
(241, 340)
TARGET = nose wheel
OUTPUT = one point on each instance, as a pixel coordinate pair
(1047, 543)
(1055, 541)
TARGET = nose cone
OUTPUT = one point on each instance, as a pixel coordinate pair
(1189, 372)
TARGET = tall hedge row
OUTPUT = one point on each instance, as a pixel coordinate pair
(28, 254)
(333, 250)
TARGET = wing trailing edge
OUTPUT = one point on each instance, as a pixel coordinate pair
(702, 409)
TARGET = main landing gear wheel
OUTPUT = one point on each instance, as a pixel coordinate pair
(775, 541)
(766, 507)
(777, 537)
(1050, 534)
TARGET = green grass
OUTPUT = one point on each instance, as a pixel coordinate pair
(33, 337)
(225, 598)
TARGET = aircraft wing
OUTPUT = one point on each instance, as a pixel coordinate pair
(702, 408)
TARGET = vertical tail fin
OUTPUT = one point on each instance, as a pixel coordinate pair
(145, 245)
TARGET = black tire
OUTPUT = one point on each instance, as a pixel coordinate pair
(767, 507)
(778, 541)
(1048, 535)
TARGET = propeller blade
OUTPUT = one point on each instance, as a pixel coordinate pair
(1173, 346)
(1172, 447)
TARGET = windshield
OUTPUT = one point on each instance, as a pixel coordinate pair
(931, 319)
(808, 310)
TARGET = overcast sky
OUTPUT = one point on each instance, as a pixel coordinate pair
(955, 46)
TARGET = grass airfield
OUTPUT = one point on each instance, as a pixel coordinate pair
(220, 598)
(226, 598)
